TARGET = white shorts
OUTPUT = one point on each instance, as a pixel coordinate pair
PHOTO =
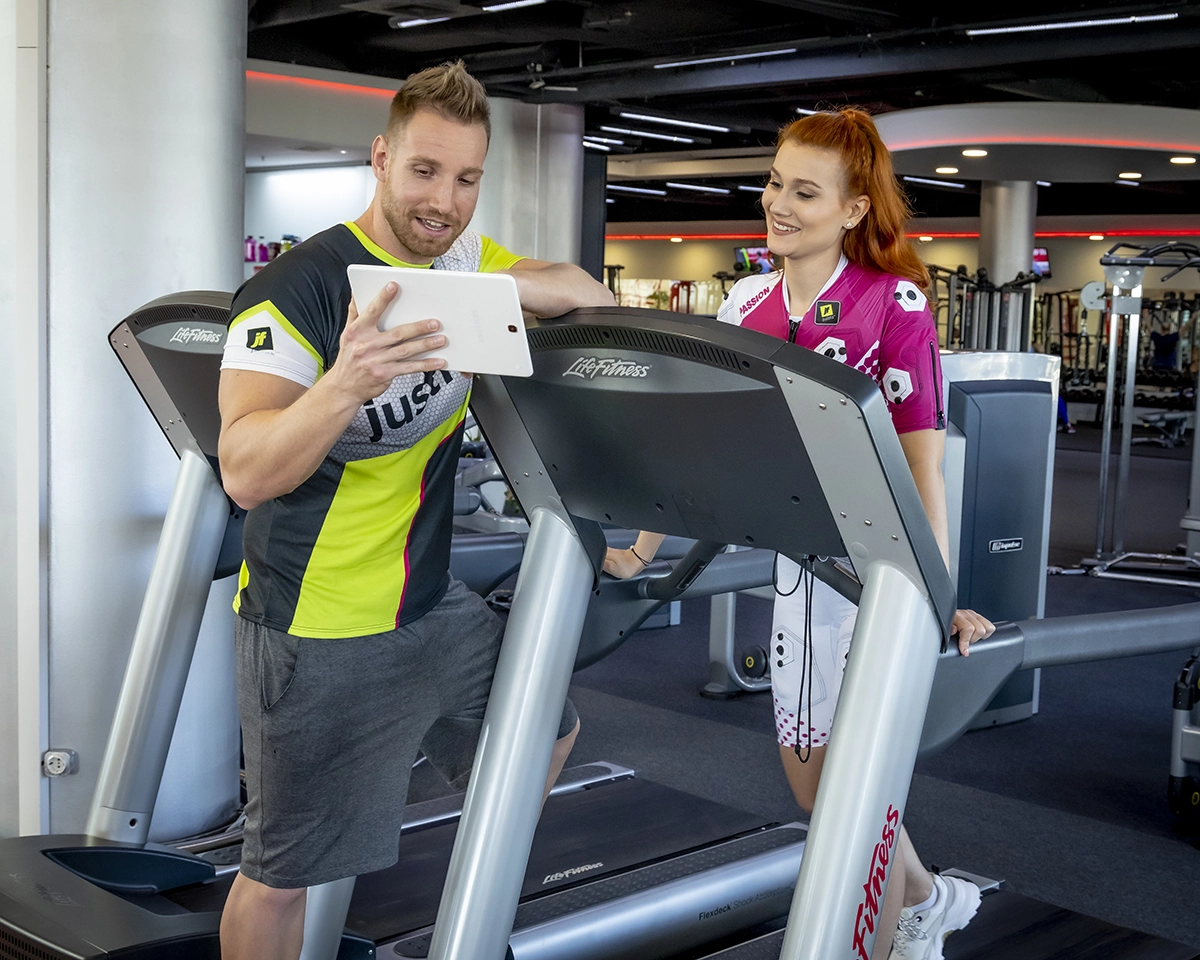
(796, 718)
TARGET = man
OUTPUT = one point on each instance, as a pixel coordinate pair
(354, 646)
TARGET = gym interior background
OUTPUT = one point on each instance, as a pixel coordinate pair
(155, 148)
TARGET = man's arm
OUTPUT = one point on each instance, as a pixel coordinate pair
(275, 432)
(552, 289)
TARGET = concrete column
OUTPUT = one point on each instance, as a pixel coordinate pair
(23, 616)
(1007, 209)
(531, 198)
(145, 127)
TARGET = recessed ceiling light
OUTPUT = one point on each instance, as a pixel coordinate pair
(1129, 176)
(675, 123)
(698, 188)
(946, 170)
(1127, 183)
(609, 200)
(750, 189)
(1044, 183)
(1183, 159)
(647, 134)
(974, 153)
(1096, 236)
(925, 239)
(644, 190)
(729, 58)
(597, 146)
(677, 239)
(807, 113)
(619, 143)
(342, 151)
(1072, 24)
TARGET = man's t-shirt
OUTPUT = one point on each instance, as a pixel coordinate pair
(879, 324)
(363, 545)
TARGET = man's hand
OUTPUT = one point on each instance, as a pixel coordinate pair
(969, 627)
(368, 359)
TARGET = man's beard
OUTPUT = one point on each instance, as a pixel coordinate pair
(402, 226)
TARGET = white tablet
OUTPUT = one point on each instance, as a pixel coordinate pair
(480, 314)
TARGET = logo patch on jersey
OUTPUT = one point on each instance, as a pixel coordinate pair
(828, 312)
(910, 298)
(897, 385)
(834, 348)
(259, 339)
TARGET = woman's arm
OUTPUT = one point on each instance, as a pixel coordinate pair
(923, 449)
(627, 563)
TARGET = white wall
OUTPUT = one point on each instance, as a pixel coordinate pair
(305, 201)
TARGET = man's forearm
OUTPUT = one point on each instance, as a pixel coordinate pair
(270, 452)
(557, 288)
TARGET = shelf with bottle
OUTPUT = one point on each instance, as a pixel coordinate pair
(257, 252)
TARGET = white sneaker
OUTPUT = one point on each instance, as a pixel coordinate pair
(920, 936)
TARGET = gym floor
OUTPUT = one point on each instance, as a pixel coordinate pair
(1068, 807)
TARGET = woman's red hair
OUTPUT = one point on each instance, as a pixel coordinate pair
(878, 241)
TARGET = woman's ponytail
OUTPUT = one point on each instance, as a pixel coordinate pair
(878, 241)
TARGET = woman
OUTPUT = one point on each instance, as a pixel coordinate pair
(850, 287)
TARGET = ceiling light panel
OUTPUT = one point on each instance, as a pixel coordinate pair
(511, 5)
(949, 170)
(730, 58)
(689, 124)
(936, 183)
(642, 190)
(1072, 24)
(698, 188)
(405, 24)
(974, 152)
(648, 134)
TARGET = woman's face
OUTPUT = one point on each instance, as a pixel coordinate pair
(806, 211)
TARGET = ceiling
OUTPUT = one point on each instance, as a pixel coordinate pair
(614, 57)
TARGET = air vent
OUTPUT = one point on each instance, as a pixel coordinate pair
(13, 946)
(623, 338)
(177, 313)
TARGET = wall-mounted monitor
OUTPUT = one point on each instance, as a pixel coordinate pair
(1041, 262)
(753, 260)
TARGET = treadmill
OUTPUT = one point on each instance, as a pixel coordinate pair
(621, 867)
(814, 442)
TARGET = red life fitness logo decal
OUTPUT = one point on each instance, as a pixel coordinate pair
(868, 910)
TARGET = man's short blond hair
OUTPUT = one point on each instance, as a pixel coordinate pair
(446, 88)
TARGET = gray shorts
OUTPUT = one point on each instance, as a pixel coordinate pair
(330, 730)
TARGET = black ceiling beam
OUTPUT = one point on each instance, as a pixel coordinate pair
(869, 16)
(936, 55)
(282, 13)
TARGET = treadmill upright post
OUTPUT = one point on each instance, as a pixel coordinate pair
(502, 803)
(868, 767)
(325, 909)
(161, 656)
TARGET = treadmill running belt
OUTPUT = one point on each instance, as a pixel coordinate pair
(581, 836)
(1012, 927)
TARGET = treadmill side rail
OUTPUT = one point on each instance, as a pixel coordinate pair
(161, 656)
(868, 767)
(502, 803)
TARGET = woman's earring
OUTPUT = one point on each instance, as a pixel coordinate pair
(849, 226)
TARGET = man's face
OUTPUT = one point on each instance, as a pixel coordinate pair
(429, 181)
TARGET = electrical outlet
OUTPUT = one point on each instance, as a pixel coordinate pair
(60, 763)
